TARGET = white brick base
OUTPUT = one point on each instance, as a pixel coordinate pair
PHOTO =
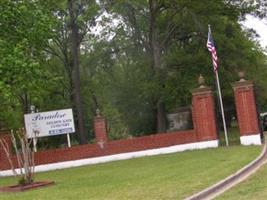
(250, 140)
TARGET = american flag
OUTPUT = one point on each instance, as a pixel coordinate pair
(212, 49)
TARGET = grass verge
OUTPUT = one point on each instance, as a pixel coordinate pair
(173, 176)
(254, 188)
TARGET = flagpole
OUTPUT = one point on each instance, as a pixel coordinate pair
(221, 104)
(212, 49)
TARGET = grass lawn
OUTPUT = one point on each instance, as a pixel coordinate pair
(233, 136)
(172, 176)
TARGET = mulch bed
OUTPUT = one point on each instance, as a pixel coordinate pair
(21, 188)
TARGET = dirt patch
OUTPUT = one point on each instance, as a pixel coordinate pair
(21, 188)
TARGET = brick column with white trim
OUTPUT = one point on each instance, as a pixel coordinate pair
(247, 113)
(203, 111)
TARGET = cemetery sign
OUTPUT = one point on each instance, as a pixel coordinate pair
(51, 123)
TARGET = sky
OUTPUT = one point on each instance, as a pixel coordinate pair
(259, 26)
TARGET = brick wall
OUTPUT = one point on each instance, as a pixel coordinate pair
(112, 147)
(6, 139)
(204, 130)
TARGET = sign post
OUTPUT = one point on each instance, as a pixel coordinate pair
(32, 108)
(35, 144)
(68, 138)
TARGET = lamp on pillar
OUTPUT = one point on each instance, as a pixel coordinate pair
(100, 129)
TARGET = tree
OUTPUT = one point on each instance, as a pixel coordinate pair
(143, 63)
(75, 48)
(24, 154)
(25, 28)
(171, 37)
(74, 21)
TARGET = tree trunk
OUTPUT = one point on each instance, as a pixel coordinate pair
(161, 118)
(75, 47)
(156, 63)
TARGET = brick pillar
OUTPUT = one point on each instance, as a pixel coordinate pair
(204, 117)
(100, 130)
(246, 113)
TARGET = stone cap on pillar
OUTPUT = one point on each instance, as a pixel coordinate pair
(202, 89)
(242, 83)
(98, 114)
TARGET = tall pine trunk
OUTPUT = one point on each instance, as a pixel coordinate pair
(155, 50)
(75, 49)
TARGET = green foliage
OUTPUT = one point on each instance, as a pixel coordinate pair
(182, 34)
(24, 30)
(117, 70)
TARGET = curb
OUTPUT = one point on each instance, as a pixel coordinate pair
(232, 180)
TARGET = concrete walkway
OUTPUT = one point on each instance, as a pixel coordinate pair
(232, 180)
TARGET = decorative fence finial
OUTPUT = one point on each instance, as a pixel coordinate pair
(241, 75)
(201, 81)
(97, 112)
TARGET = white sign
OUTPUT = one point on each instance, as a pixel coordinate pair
(49, 123)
